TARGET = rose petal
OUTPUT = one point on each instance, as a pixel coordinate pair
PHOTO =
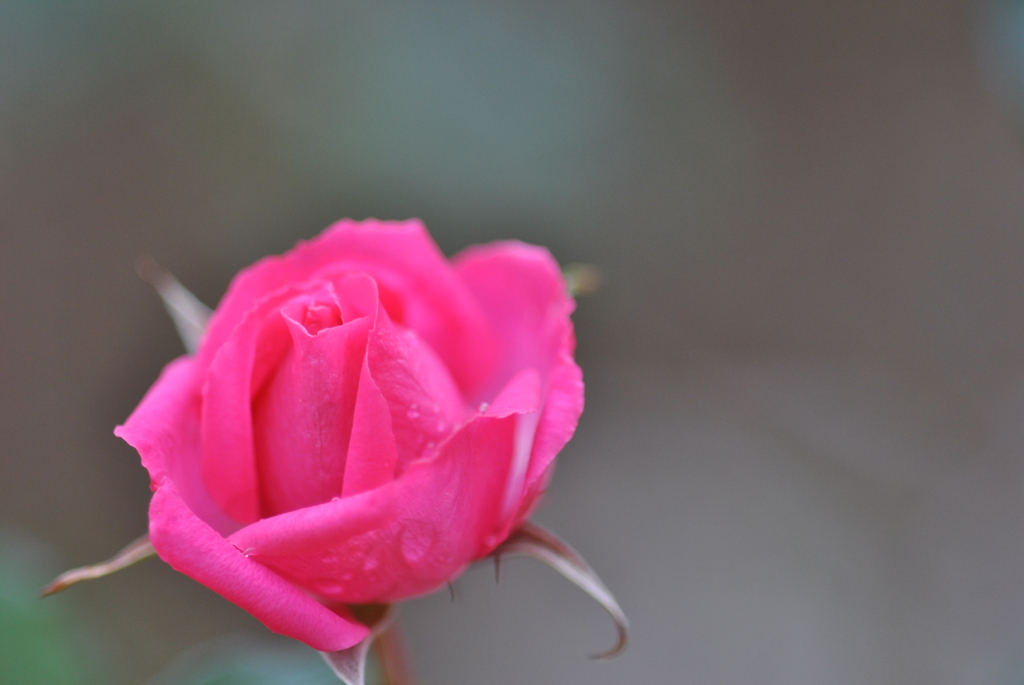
(315, 528)
(195, 549)
(423, 548)
(417, 285)
(164, 429)
(238, 371)
(303, 418)
(562, 409)
(520, 395)
(371, 453)
(524, 293)
(424, 401)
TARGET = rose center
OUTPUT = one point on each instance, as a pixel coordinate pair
(319, 316)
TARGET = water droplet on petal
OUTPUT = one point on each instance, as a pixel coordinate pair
(483, 407)
(416, 540)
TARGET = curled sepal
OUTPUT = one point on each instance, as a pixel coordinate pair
(136, 551)
(543, 545)
(187, 312)
(350, 664)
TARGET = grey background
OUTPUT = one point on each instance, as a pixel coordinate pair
(801, 460)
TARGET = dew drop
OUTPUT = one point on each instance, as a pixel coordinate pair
(370, 563)
(416, 541)
(483, 407)
(412, 413)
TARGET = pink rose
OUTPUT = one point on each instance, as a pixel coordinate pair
(362, 420)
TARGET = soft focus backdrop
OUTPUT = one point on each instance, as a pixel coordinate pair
(802, 459)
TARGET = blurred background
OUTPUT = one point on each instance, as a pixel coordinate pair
(802, 459)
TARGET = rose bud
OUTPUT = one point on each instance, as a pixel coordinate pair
(361, 420)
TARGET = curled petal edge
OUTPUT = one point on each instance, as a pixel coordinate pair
(350, 664)
(534, 541)
(138, 550)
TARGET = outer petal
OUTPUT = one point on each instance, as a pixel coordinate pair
(418, 287)
(524, 295)
(523, 292)
(446, 506)
(523, 396)
(164, 428)
(317, 527)
(562, 409)
(198, 551)
(448, 509)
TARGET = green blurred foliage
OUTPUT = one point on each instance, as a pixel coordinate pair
(41, 642)
(46, 642)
